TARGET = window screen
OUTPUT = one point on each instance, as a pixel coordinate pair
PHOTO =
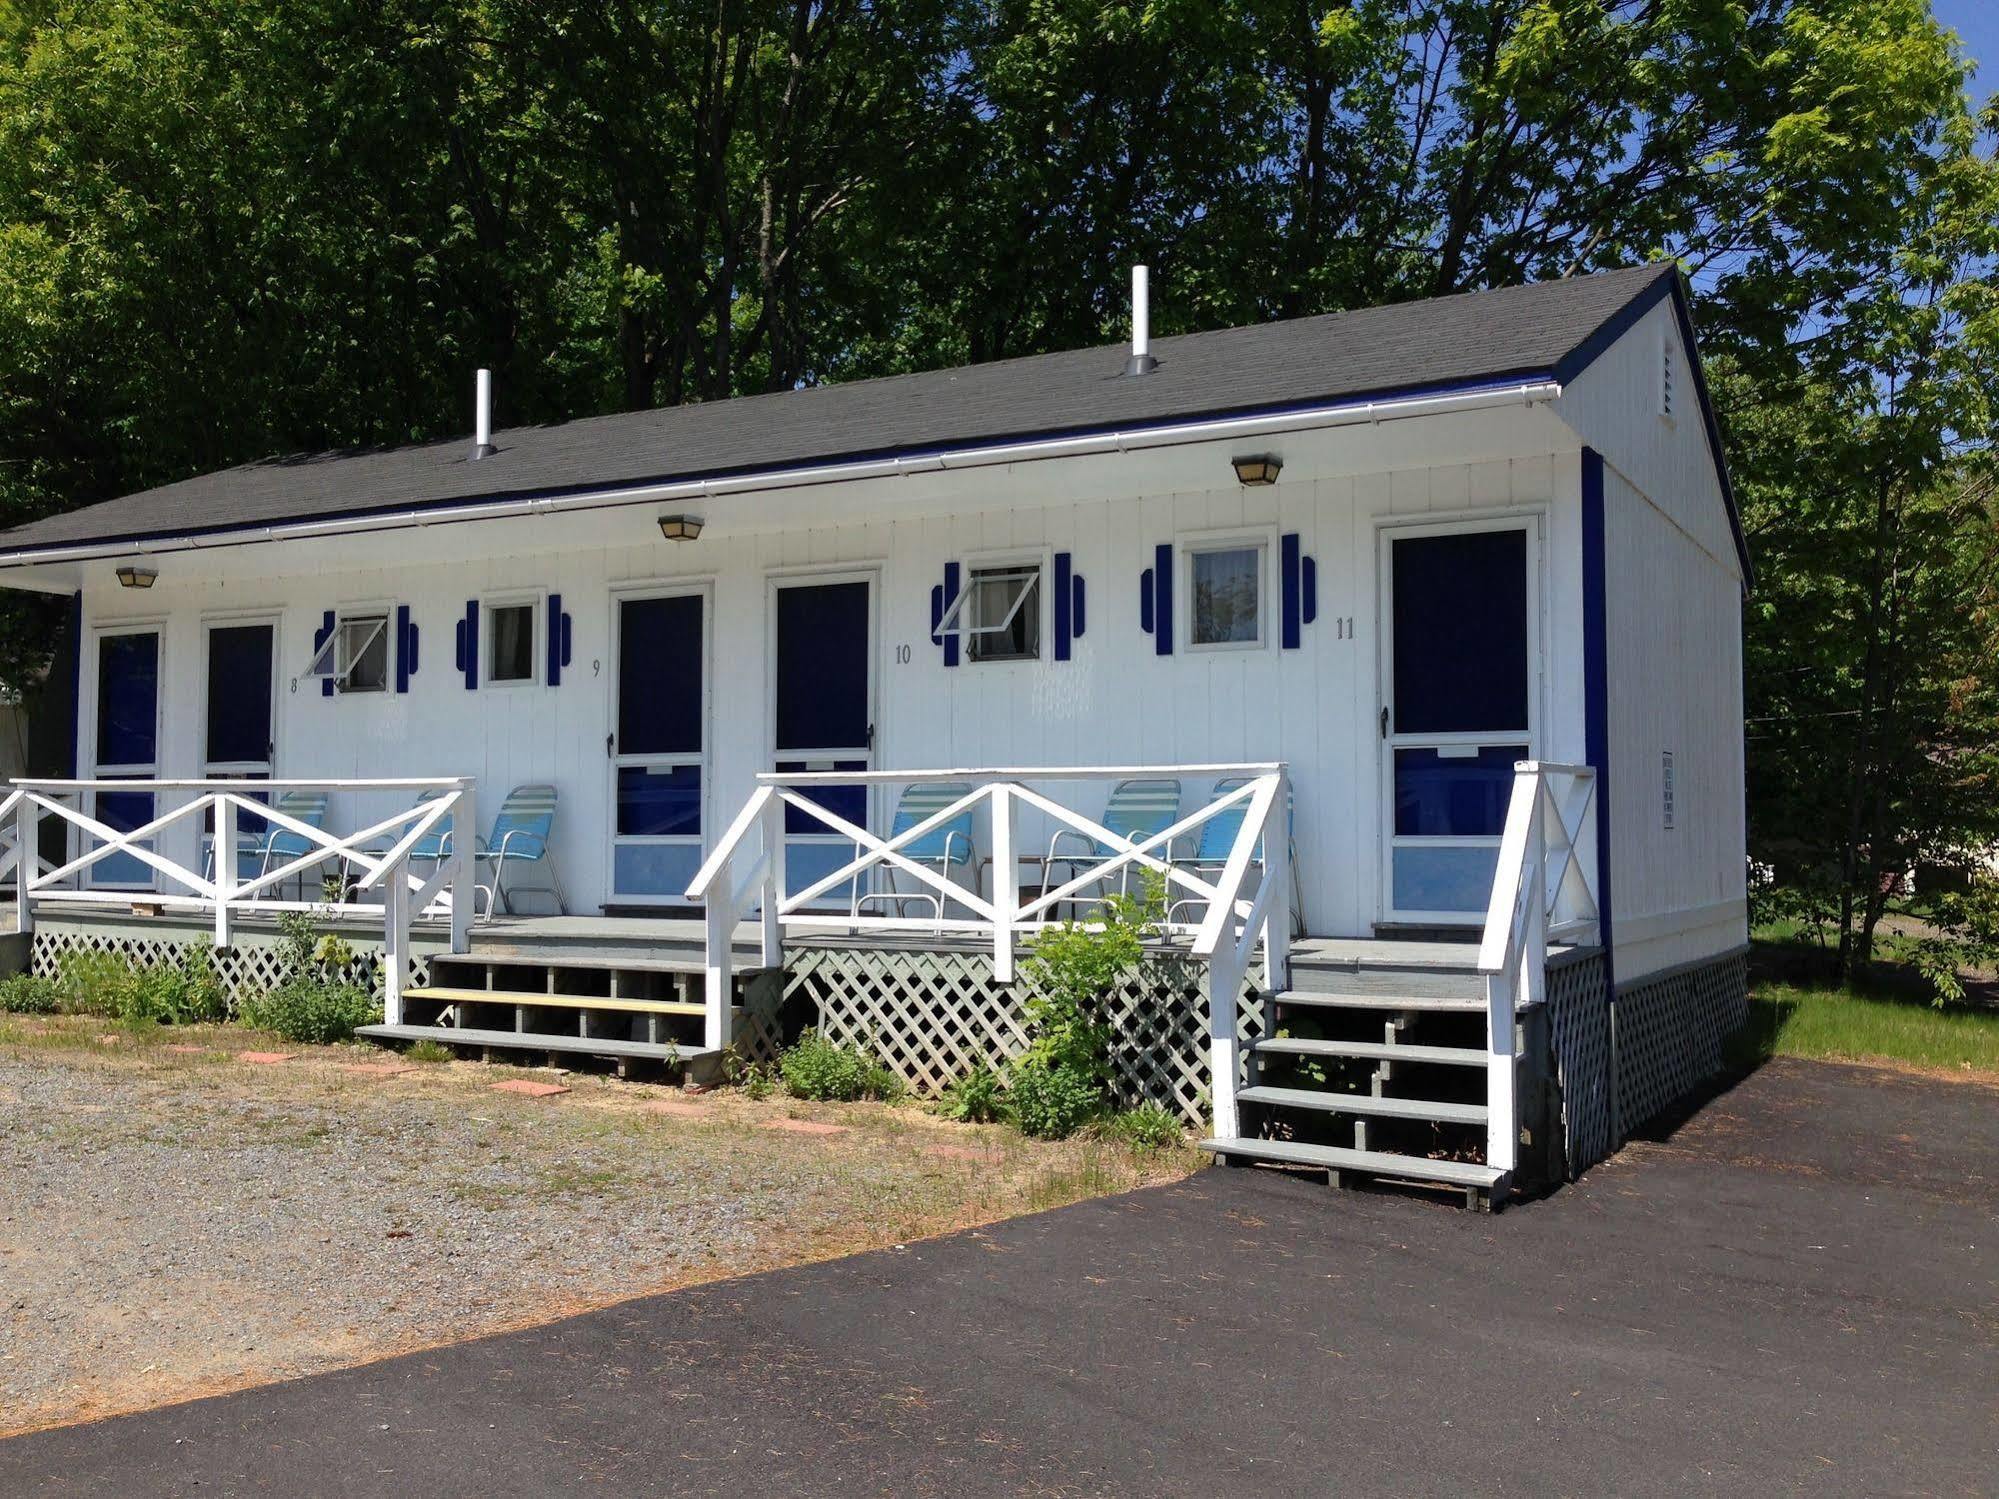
(1227, 598)
(1460, 633)
(1004, 614)
(511, 656)
(239, 695)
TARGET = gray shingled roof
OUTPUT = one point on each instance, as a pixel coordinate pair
(1480, 337)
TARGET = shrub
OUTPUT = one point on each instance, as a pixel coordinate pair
(312, 1011)
(427, 1050)
(975, 1098)
(178, 993)
(825, 1071)
(24, 994)
(1053, 1102)
(1147, 1127)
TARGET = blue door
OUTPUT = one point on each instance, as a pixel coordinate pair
(823, 715)
(126, 744)
(1460, 681)
(658, 746)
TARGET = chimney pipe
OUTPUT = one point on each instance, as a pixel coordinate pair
(482, 416)
(1141, 322)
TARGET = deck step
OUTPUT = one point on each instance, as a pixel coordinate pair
(586, 960)
(1365, 1162)
(1313, 999)
(449, 995)
(1374, 1051)
(588, 1046)
(1328, 1102)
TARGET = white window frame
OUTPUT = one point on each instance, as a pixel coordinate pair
(327, 661)
(954, 623)
(1261, 540)
(537, 604)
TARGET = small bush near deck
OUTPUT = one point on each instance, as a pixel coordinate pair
(824, 1071)
(976, 1098)
(313, 1012)
(1147, 1127)
(428, 1051)
(24, 994)
(1052, 1103)
(178, 993)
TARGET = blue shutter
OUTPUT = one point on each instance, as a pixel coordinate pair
(1145, 601)
(319, 638)
(1076, 607)
(468, 644)
(405, 648)
(1062, 602)
(1311, 589)
(940, 600)
(1299, 576)
(1162, 604)
(558, 640)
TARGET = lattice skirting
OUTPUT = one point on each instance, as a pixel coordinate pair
(1579, 1031)
(250, 968)
(1669, 1032)
(934, 1016)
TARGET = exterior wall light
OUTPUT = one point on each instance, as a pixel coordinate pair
(130, 576)
(1261, 468)
(680, 527)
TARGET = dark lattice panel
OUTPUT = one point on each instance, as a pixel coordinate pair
(1579, 1022)
(1670, 1033)
(934, 1016)
(244, 971)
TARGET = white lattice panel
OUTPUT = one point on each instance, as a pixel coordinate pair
(244, 971)
(934, 1016)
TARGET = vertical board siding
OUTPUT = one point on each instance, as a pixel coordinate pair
(1121, 698)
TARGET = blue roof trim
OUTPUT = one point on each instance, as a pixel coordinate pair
(1622, 322)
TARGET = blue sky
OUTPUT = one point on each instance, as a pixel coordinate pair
(1977, 21)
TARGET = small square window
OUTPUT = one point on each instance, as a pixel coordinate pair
(1226, 601)
(998, 614)
(510, 643)
(356, 654)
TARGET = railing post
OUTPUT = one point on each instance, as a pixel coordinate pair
(772, 896)
(1277, 869)
(1006, 882)
(464, 866)
(27, 859)
(1224, 1049)
(395, 941)
(225, 868)
(719, 974)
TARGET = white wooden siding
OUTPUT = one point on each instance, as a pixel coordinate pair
(1675, 684)
(1116, 701)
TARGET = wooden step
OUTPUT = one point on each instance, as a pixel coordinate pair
(589, 1046)
(1365, 1162)
(584, 961)
(1312, 999)
(1374, 1051)
(448, 995)
(1327, 1102)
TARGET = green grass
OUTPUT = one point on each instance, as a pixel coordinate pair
(1796, 1020)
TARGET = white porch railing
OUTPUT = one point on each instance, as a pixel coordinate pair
(1543, 891)
(1245, 901)
(379, 853)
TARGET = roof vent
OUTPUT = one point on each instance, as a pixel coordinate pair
(1141, 361)
(482, 416)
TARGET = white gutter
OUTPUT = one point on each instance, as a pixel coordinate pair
(1365, 413)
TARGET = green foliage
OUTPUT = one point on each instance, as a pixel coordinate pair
(25, 994)
(182, 992)
(1798, 1020)
(759, 1079)
(824, 1071)
(1961, 932)
(1062, 1081)
(312, 1011)
(427, 1050)
(1147, 1127)
(317, 1002)
(979, 1097)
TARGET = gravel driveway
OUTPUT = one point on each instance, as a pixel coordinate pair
(178, 1222)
